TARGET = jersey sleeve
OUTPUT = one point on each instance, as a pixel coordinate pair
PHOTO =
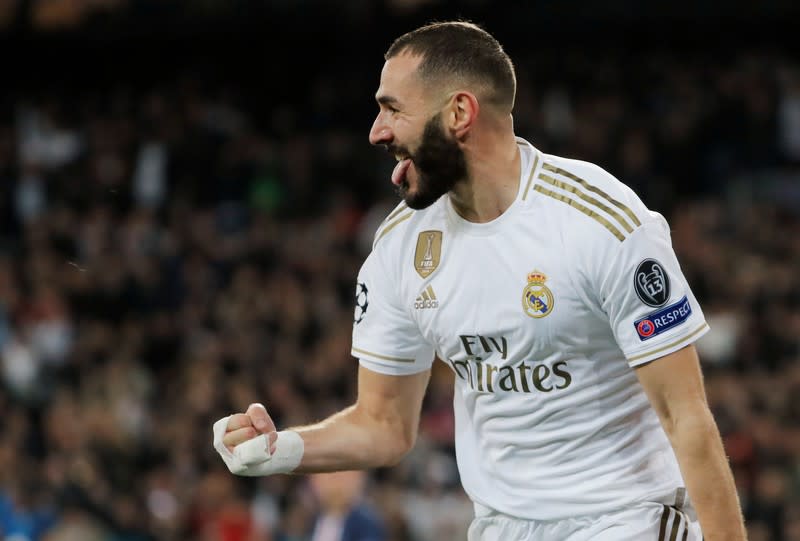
(385, 337)
(650, 307)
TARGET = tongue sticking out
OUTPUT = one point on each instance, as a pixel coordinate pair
(399, 173)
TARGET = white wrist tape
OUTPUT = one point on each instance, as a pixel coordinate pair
(252, 457)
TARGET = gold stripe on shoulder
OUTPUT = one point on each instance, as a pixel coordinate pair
(400, 208)
(392, 225)
(383, 357)
(575, 191)
(530, 177)
(587, 211)
(670, 345)
(589, 187)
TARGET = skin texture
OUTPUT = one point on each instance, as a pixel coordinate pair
(381, 426)
(378, 430)
(674, 385)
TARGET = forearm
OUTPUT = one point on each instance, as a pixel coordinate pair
(376, 431)
(708, 477)
(352, 440)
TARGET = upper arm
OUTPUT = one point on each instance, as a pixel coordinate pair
(393, 400)
(674, 385)
(639, 286)
(386, 338)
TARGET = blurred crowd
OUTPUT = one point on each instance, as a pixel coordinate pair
(172, 252)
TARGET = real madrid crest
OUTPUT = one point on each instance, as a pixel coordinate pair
(537, 299)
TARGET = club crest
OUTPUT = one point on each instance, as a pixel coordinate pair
(537, 299)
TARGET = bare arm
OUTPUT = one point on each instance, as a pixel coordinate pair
(674, 385)
(378, 430)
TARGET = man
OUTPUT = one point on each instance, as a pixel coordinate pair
(343, 516)
(555, 297)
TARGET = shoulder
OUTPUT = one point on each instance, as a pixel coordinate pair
(399, 215)
(399, 234)
(399, 227)
(610, 209)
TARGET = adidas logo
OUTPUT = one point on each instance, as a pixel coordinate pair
(426, 300)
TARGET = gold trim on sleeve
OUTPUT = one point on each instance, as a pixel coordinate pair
(383, 357)
(575, 191)
(601, 193)
(673, 344)
(393, 224)
(590, 213)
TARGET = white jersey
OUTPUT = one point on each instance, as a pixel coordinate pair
(541, 314)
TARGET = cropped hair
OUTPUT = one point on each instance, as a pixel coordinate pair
(462, 51)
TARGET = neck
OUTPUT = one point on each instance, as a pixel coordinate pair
(493, 183)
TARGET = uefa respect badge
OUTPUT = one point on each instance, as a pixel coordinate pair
(663, 320)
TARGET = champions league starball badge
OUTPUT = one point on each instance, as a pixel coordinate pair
(651, 283)
(362, 302)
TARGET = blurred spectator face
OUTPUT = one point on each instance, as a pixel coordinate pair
(758, 531)
(771, 486)
(791, 526)
(338, 491)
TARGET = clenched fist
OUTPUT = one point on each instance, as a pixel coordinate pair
(246, 426)
(250, 445)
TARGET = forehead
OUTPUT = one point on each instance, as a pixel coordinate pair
(399, 78)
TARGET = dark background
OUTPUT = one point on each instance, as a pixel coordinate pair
(187, 193)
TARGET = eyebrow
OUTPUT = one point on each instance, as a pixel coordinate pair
(387, 100)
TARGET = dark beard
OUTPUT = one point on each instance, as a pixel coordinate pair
(440, 165)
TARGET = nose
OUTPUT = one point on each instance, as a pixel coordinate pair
(381, 133)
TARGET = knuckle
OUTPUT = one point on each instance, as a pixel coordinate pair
(238, 421)
(256, 406)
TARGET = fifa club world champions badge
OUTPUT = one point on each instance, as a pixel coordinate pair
(537, 299)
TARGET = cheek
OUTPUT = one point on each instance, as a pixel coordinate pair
(407, 133)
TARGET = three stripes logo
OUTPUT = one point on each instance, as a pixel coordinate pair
(427, 299)
(678, 530)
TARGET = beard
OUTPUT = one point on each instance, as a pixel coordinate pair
(440, 164)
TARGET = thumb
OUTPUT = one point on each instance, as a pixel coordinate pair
(260, 418)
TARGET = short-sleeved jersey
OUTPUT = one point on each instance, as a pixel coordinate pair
(541, 314)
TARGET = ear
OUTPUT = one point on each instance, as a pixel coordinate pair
(462, 113)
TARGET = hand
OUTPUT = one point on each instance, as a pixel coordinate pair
(246, 426)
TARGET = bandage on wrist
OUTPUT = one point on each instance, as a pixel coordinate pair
(254, 459)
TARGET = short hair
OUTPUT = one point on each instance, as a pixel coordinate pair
(462, 50)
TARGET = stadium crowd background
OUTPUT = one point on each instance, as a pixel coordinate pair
(183, 218)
